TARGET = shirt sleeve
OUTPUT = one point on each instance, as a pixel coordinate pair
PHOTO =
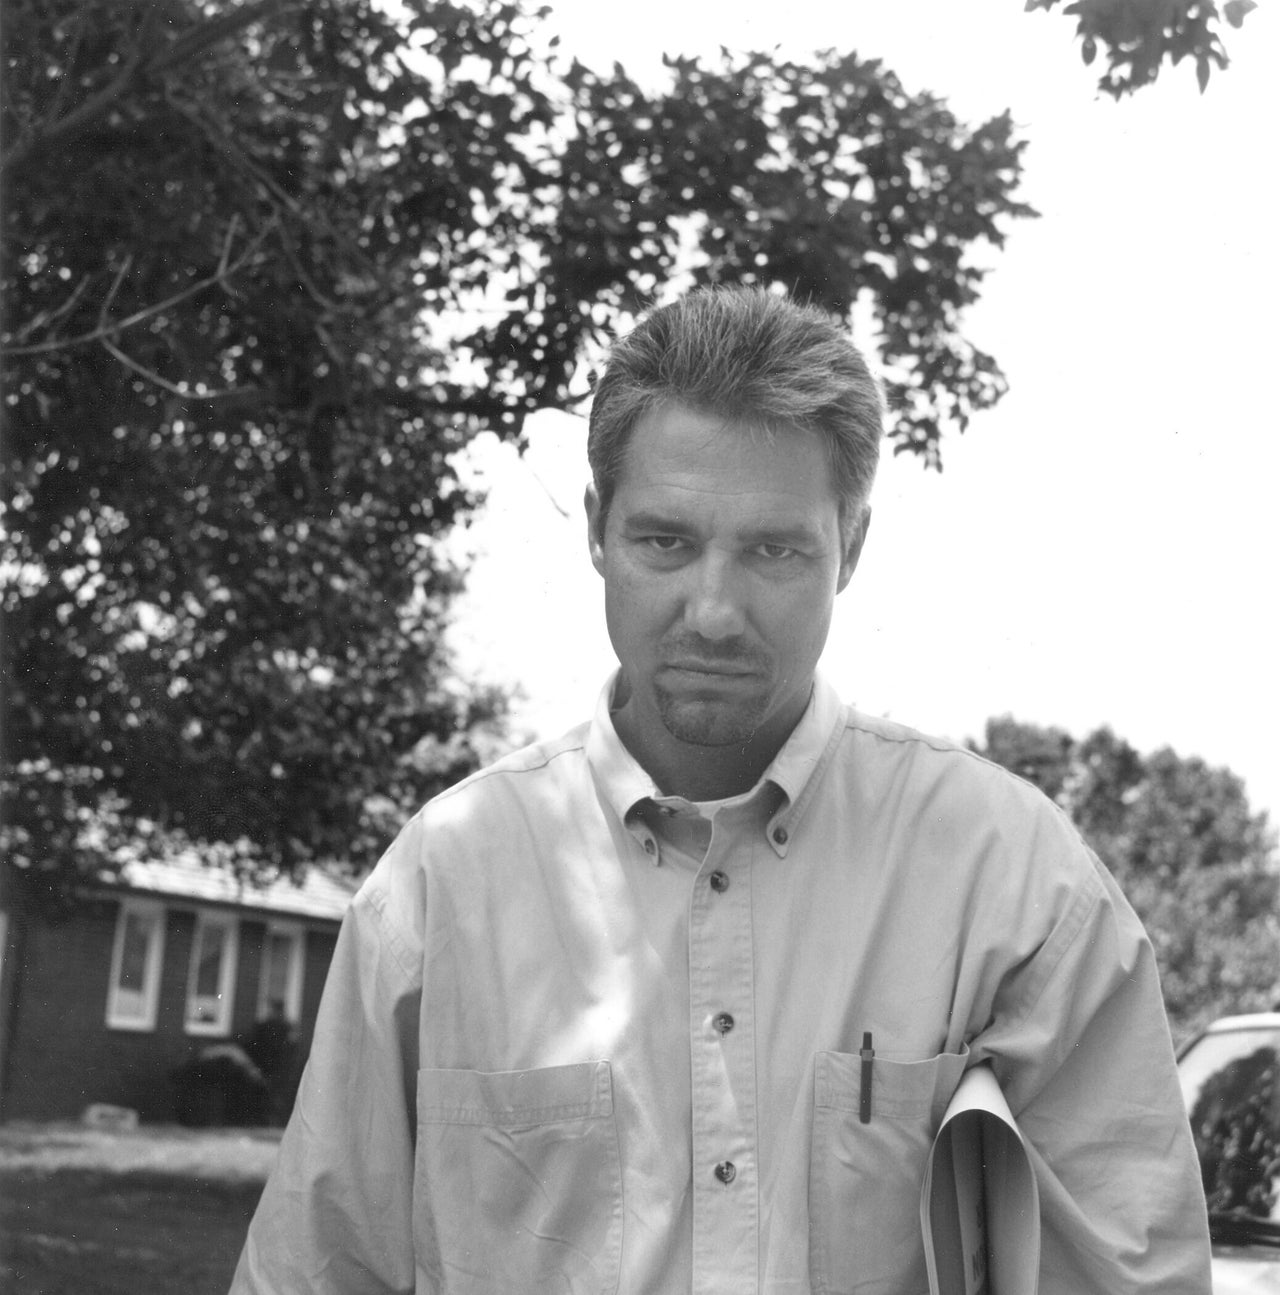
(335, 1215)
(1081, 1046)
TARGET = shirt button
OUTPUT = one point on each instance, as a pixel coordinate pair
(722, 1022)
(719, 882)
(725, 1172)
(780, 835)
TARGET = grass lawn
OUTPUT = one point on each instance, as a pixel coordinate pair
(155, 1211)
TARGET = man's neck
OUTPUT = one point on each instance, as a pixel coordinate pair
(699, 772)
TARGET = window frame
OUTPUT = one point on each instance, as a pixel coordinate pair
(4, 997)
(222, 1003)
(120, 1014)
(296, 933)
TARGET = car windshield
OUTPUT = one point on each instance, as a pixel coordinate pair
(1231, 1082)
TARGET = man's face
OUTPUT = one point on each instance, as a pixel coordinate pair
(721, 555)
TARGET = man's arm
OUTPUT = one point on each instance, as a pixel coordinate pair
(335, 1216)
(1081, 1046)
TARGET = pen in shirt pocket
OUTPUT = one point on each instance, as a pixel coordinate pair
(867, 1054)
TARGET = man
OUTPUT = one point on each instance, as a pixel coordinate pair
(594, 1021)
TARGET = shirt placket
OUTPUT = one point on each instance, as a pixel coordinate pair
(722, 1048)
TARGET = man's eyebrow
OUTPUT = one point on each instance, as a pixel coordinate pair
(649, 520)
(789, 533)
(793, 533)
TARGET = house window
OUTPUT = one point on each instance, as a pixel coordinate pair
(134, 991)
(280, 985)
(211, 975)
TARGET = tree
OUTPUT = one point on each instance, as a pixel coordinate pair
(1196, 863)
(1140, 36)
(269, 265)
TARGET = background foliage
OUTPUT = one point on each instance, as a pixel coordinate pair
(1198, 866)
(267, 266)
(1140, 37)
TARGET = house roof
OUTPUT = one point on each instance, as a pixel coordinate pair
(318, 893)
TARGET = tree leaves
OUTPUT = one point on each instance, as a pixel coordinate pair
(1196, 863)
(269, 265)
(1140, 36)
(1236, 11)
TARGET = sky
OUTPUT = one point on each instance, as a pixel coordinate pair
(1100, 548)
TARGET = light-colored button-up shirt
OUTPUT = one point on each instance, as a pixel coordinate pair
(580, 1036)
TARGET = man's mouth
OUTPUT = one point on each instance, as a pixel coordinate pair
(717, 669)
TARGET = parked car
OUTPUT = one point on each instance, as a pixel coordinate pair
(1231, 1081)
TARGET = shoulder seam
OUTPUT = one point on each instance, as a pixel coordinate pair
(501, 768)
(376, 900)
(908, 736)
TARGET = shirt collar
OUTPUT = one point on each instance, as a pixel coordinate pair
(621, 779)
(624, 783)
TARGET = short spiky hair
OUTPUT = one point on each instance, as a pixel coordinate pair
(752, 357)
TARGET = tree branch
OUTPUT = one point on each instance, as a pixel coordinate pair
(45, 318)
(151, 376)
(76, 121)
(73, 55)
(105, 309)
(192, 42)
(113, 328)
(197, 39)
(227, 145)
(546, 490)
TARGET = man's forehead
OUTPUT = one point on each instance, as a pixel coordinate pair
(675, 437)
(690, 419)
(685, 467)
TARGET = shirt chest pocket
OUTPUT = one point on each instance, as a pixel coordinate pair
(864, 1179)
(517, 1181)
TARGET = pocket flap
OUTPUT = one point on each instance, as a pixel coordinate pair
(899, 1089)
(510, 1098)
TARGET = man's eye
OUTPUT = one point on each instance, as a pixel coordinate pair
(663, 543)
(775, 551)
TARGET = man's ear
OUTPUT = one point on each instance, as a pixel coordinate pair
(853, 535)
(595, 527)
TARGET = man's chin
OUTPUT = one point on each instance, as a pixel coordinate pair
(708, 723)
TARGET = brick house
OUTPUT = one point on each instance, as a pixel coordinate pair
(142, 974)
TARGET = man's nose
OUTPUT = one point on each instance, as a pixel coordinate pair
(714, 607)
